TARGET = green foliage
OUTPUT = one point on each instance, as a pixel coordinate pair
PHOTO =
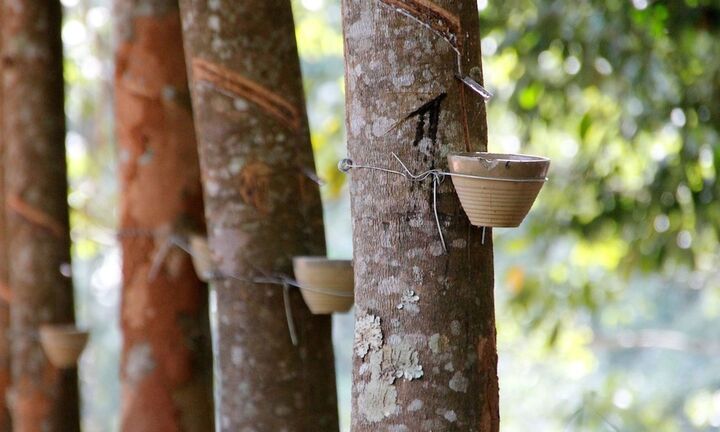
(626, 101)
(625, 98)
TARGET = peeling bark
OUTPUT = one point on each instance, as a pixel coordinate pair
(42, 398)
(5, 424)
(166, 366)
(261, 210)
(435, 367)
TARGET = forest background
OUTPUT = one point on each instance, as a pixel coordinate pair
(608, 296)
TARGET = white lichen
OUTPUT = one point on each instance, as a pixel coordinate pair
(459, 243)
(214, 23)
(390, 285)
(402, 361)
(381, 126)
(236, 355)
(436, 250)
(415, 405)
(434, 343)
(450, 416)
(417, 274)
(240, 104)
(458, 382)
(377, 400)
(409, 301)
(455, 327)
(368, 335)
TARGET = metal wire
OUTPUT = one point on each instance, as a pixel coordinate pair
(468, 81)
(289, 315)
(345, 165)
(268, 279)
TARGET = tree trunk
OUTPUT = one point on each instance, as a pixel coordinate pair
(167, 359)
(425, 355)
(261, 210)
(42, 398)
(5, 424)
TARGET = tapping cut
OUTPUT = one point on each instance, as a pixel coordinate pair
(433, 16)
(273, 104)
(35, 215)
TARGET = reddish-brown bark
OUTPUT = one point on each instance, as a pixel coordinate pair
(167, 359)
(261, 210)
(425, 352)
(42, 398)
(5, 424)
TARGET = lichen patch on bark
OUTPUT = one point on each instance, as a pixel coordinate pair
(458, 382)
(377, 397)
(397, 359)
(377, 400)
(402, 359)
(368, 335)
(409, 302)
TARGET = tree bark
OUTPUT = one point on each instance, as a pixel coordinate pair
(167, 358)
(261, 210)
(425, 354)
(5, 423)
(42, 398)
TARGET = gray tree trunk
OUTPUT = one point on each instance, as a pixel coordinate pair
(42, 398)
(425, 353)
(261, 210)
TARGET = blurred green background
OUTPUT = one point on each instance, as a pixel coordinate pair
(608, 296)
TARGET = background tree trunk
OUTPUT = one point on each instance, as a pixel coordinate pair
(260, 210)
(43, 398)
(5, 424)
(167, 358)
(425, 353)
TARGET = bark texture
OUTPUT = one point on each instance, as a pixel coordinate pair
(425, 355)
(42, 398)
(261, 210)
(5, 424)
(167, 358)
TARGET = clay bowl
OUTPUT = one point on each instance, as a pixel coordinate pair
(508, 187)
(201, 258)
(63, 343)
(325, 284)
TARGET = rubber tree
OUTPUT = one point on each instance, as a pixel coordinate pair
(166, 367)
(5, 423)
(42, 398)
(425, 354)
(261, 210)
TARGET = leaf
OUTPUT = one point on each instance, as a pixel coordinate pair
(585, 124)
